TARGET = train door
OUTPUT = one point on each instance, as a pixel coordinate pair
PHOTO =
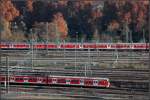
(95, 82)
(67, 81)
(26, 79)
(11, 46)
(12, 79)
(54, 80)
(81, 81)
(39, 80)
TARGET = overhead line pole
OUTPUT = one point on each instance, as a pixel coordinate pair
(149, 43)
(75, 56)
(0, 49)
(32, 51)
(47, 37)
(7, 65)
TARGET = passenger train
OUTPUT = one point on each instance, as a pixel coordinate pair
(57, 80)
(134, 46)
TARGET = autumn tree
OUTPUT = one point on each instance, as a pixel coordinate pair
(58, 27)
(8, 12)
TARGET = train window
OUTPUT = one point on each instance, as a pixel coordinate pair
(40, 79)
(32, 79)
(81, 81)
(25, 78)
(95, 81)
(88, 82)
(49, 80)
(67, 80)
(74, 81)
(61, 80)
(3, 78)
(18, 79)
(12, 78)
(54, 79)
(103, 82)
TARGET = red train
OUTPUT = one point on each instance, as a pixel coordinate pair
(59, 80)
(108, 46)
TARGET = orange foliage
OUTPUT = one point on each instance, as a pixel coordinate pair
(7, 10)
(61, 25)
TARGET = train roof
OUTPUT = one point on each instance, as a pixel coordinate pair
(99, 78)
(80, 77)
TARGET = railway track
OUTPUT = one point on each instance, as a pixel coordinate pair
(86, 93)
(114, 75)
(70, 57)
(130, 79)
(126, 83)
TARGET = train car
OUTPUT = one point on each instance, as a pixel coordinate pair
(4, 46)
(58, 80)
(36, 80)
(14, 46)
(79, 81)
(20, 46)
(70, 45)
(51, 46)
(25, 79)
(103, 46)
